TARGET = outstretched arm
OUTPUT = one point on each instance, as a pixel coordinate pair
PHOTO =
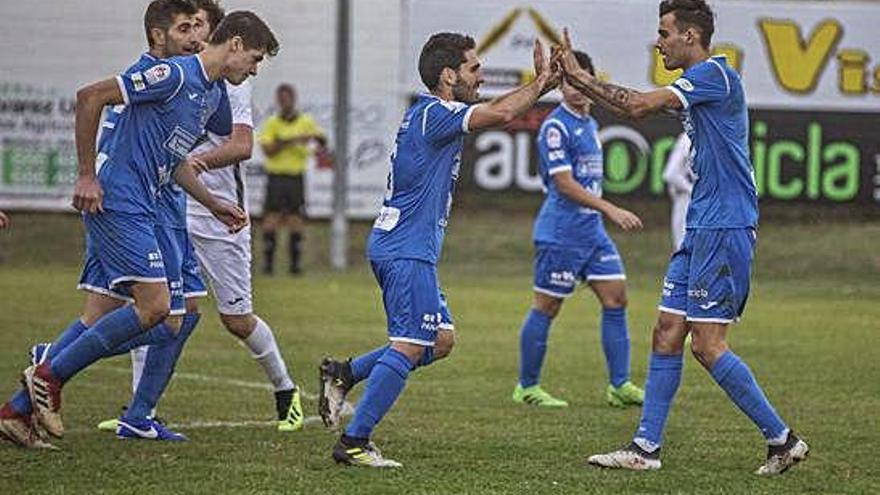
(623, 101)
(504, 109)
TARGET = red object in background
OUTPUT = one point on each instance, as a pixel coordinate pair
(324, 159)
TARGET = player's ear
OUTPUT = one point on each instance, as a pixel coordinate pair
(157, 35)
(448, 77)
(690, 35)
(236, 44)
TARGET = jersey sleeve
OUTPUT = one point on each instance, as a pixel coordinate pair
(157, 82)
(240, 103)
(704, 83)
(444, 120)
(220, 122)
(552, 147)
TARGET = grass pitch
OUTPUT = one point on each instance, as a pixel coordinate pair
(810, 335)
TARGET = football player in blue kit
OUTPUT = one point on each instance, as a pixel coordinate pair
(707, 282)
(170, 103)
(571, 246)
(405, 242)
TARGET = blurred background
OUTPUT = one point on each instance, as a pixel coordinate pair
(811, 71)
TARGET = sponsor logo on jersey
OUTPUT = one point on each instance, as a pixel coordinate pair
(563, 279)
(180, 142)
(157, 74)
(137, 80)
(685, 84)
(698, 293)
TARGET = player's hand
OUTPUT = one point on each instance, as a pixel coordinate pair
(625, 219)
(231, 215)
(198, 165)
(567, 60)
(547, 71)
(4, 221)
(88, 197)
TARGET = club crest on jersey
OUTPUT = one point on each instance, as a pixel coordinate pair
(157, 73)
(554, 137)
(684, 84)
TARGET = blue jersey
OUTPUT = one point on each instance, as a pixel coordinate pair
(568, 142)
(172, 198)
(421, 182)
(168, 105)
(716, 120)
(111, 116)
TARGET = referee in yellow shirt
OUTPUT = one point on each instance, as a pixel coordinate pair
(287, 139)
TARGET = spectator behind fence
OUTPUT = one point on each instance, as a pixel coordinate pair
(287, 140)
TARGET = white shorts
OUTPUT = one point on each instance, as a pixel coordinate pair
(225, 259)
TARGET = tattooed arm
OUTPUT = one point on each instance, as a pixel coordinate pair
(621, 100)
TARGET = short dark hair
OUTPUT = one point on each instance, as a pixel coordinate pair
(253, 32)
(160, 14)
(286, 88)
(213, 9)
(692, 13)
(440, 51)
(584, 61)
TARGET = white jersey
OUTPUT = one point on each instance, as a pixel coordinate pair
(678, 173)
(226, 183)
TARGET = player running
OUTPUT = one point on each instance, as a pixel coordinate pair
(571, 246)
(170, 105)
(404, 245)
(224, 255)
(707, 282)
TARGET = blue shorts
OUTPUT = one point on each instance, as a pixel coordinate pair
(414, 305)
(121, 248)
(193, 284)
(559, 269)
(708, 277)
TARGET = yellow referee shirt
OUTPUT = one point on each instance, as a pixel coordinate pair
(292, 159)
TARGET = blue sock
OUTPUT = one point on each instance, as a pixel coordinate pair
(67, 337)
(664, 376)
(158, 368)
(362, 365)
(158, 335)
(385, 384)
(615, 343)
(109, 332)
(735, 377)
(21, 402)
(533, 347)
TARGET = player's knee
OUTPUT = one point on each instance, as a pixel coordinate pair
(707, 350)
(239, 325)
(615, 300)
(174, 323)
(153, 310)
(668, 336)
(549, 306)
(444, 344)
(192, 305)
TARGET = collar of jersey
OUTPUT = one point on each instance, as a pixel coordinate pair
(204, 73)
(573, 113)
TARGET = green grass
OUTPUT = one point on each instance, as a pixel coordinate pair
(809, 335)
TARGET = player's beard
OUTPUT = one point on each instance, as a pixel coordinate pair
(464, 93)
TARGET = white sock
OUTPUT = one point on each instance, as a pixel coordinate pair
(138, 358)
(264, 349)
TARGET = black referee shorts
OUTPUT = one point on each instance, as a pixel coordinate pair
(284, 194)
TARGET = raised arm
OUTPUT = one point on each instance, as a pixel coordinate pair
(90, 102)
(623, 101)
(507, 107)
